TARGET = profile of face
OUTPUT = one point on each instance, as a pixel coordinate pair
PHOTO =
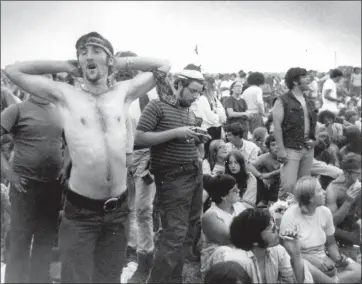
(231, 138)
(232, 77)
(319, 198)
(237, 88)
(327, 120)
(233, 165)
(233, 196)
(94, 62)
(222, 151)
(353, 175)
(189, 94)
(273, 148)
(270, 234)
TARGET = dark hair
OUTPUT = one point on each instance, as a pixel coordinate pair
(123, 75)
(241, 177)
(218, 186)
(294, 74)
(321, 152)
(233, 74)
(232, 86)
(351, 161)
(256, 79)
(334, 73)
(246, 228)
(242, 74)
(326, 114)
(269, 140)
(353, 138)
(85, 37)
(235, 128)
(245, 86)
(228, 272)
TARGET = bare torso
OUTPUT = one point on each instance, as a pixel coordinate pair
(302, 101)
(95, 131)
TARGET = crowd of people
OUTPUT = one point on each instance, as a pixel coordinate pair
(110, 156)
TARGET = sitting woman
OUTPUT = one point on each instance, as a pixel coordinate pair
(255, 246)
(216, 221)
(316, 233)
(246, 182)
(259, 136)
(215, 163)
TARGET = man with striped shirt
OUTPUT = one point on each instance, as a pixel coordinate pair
(167, 128)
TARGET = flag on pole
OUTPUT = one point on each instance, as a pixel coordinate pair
(196, 50)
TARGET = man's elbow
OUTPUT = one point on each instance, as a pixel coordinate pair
(166, 67)
(140, 139)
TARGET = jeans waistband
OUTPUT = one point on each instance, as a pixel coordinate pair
(107, 205)
(188, 167)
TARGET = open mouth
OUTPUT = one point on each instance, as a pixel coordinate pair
(91, 66)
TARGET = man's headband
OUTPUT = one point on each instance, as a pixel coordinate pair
(97, 42)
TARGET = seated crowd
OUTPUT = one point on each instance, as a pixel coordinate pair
(240, 240)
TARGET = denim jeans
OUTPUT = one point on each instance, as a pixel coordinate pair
(92, 244)
(34, 215)
(179, 199)
(299, 164)
(140, 202)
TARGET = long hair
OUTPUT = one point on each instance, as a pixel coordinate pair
(241, 177)
(213, 149)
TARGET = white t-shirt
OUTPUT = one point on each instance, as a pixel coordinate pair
(226, 84)
(327, 104)
(313, 230)
(253, 96)
(356, 80)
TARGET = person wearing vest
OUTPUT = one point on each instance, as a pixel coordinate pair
(294, 118)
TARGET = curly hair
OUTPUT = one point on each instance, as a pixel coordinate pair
(294, 74)
(227, 272)
(334, 73)
(246, 228)
(256, 79)
(326, 114)
(219, 186)
(235, 128)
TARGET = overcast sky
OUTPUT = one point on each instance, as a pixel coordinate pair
(253, 36)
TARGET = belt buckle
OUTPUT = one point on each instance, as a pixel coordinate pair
(110, 205)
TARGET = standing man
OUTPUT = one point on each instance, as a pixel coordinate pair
(294, 119)
(93, 237)
(167, 127)
(35, 194)
(329, 91)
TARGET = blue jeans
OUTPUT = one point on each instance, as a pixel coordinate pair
(34, 215)
(179, 199)
(92, 244)
(140, 201)
(299, 164)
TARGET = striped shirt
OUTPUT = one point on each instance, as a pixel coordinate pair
(159, 116)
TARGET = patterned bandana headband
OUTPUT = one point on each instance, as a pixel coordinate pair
(97, 42)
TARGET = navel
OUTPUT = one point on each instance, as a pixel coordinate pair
(119, 119)
(82, 120)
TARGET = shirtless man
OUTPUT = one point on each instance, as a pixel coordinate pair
(93, 236)
(343, 198)
(294, 119)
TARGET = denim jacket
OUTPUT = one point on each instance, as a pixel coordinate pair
(293, 123)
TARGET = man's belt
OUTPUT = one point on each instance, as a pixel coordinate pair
(108, 205)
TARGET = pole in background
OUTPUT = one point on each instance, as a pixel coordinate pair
(335, 59)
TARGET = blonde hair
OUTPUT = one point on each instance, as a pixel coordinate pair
(305, 190)
(213, 149)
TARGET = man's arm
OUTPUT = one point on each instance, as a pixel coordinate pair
(8, 95)
(278, 117)
(144, 82)
(28, 76)
(327, 95)
(231, 113)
